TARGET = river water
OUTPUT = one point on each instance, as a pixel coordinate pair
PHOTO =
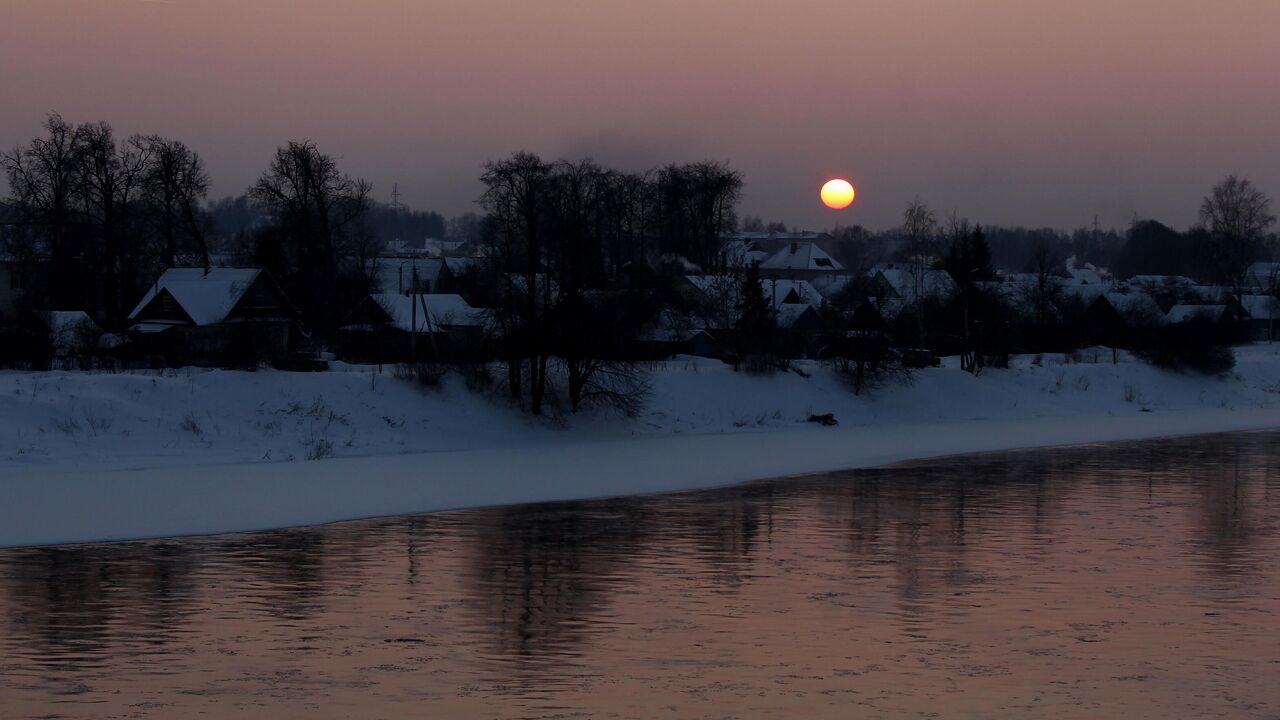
(1133, 580)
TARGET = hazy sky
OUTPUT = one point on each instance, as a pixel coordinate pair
(1012, 111)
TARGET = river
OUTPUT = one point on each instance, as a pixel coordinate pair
(1129, 580)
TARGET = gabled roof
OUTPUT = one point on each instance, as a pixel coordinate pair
(902, 280)
(1261, 307)
(442, 310)
(1185, 312)
(206, 296)
(780, 292)
(1134, 302)
(789, 315)
(801, 255)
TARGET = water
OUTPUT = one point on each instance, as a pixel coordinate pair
(1137, 580)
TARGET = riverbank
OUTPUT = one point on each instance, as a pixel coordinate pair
(136, 467)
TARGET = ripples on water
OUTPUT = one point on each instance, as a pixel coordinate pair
(1137, 580)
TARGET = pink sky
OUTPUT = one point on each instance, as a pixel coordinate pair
(1011, 111)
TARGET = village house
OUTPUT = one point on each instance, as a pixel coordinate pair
(391, 327)
(799, 260)
(215, 316)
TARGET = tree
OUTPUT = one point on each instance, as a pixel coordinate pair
(919, 225)
(44, 179)
(176, 185)
(756, 323)
(1237, 215)
(516, 190)
(316, 207)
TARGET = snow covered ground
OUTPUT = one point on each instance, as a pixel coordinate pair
(113, 456)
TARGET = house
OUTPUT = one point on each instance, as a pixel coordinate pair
(1263, 277)
(670, 334)
(1185, 312)
(895, 287)
(799, 260)
(1112, 317)
(1260, 314)
(215, 316)
(388, 327)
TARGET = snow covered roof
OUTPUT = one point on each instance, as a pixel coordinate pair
(1161, 280)
(1264, 274)
(460, 265)
(902, 280)
(205, 295)
(442, 310)
(780, 292)
(1184, 312)
(801, 255)
(1261, 307)
(1134, 302)
(789, 314)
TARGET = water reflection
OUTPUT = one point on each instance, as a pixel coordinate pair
(1039, 579)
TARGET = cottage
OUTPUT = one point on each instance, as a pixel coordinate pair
(389, 327)
(1186, 312)
(215, 316)
(1260, 314)
(800, 260)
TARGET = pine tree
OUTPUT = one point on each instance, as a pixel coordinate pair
(755, 315)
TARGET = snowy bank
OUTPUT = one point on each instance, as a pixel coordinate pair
(109, 457)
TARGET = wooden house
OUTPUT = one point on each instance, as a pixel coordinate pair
(215, 317)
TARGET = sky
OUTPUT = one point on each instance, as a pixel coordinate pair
(1030, 112)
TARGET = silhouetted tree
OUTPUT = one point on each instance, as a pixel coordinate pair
(1237, 215)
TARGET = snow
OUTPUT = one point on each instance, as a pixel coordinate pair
(90, 457)
(205, 295)
(1184, 312)
(801, 255)
(444, 310)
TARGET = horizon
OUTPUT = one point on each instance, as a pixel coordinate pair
(1009, 114)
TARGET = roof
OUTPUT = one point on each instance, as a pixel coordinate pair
(902, 280)
(788, 315)
(1161, 280)
(1261, 307)
(1185, 312)
(205, 295)
(1132, 303)
(776, 291)
(801, 255)
(445, 310)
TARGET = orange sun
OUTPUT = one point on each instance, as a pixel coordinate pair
(837, 194)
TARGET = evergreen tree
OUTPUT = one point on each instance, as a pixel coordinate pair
(755, 315)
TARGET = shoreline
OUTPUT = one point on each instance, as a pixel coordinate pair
(49, 507)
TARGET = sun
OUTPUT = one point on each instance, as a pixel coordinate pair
(837, 194)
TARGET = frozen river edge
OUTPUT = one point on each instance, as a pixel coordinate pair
(49, 507)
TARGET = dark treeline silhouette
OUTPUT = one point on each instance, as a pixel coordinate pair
(581, 272)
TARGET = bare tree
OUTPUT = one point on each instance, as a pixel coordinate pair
(1237, 215)
(315, 205)
(176, 185)
(44, 181)
(516, 190)
(919, 227)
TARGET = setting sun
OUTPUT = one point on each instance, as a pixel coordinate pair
(837, 194)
